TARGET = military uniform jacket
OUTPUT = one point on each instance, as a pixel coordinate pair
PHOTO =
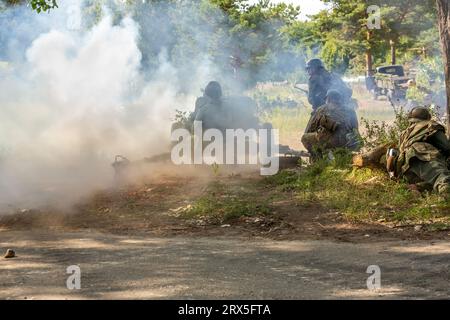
(336, 122)
(424, 140)
(320, 83)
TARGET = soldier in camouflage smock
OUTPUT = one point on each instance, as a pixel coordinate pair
(424, 150)
(332, 126)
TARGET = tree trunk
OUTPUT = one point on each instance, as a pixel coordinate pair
(443, 7)
(369, 64)
(393, 52)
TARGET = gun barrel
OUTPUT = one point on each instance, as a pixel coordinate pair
(301, 89)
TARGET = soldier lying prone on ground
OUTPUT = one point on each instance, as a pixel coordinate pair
(422, 156)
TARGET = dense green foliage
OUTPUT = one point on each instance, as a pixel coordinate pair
(240, 39)
(265, 41)
(37, 5)
(43, 5)
(340, 35)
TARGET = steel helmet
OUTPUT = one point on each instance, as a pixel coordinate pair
(315, 64)
(421, 113)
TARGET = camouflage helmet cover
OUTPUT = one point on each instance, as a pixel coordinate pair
(421, 113)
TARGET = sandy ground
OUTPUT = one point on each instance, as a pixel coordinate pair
(129, 245)
(118, 267)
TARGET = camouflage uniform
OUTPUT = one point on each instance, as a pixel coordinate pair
(424, 149)
(320, 82)
(332, 126)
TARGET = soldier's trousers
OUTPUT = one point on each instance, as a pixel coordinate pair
(309, 140)
(315, 144)
(434, 173)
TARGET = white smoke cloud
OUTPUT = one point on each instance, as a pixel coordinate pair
(77, 100)
(79, 91)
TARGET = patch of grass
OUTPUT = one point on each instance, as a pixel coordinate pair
(222, 203)
(278, 92)
(288, 120)
(285, 180)
(291, 122)
(439, 226)
(360, 194)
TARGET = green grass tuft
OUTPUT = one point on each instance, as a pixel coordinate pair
(222, 203)
(360, 194)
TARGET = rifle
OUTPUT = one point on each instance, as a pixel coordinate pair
(286, 151)
(392, 104)
(301, 89)
(122, 164)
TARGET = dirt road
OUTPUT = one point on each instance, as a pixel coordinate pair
(132, 244)
(116, 267)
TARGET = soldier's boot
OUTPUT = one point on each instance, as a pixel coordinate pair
(309, 140)
(442, 182)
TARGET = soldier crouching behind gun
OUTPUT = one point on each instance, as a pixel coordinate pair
(422, 158)
(332, 126)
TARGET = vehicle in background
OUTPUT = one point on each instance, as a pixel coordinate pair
(391, 82)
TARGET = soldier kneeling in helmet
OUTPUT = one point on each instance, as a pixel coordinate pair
(333, 126)
(424, 148)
